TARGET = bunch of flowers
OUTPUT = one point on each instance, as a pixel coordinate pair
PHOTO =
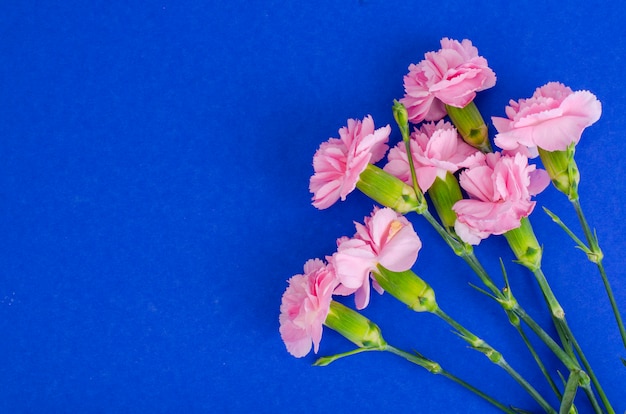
(475, 191)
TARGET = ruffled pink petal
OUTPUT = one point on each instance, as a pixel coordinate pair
(354, 266)
(296, 339)
(426, 177)
(500, 194)
(492, 218)
(436, 149)
(305, 306)
(451, 75)
(353, 262)
(385, 237)
(539, 180)
(398, 164)
(579, 110)
(552, 119)
(362, 296)
(469, 234)
(478, 183)
(393, 239)
(377, 228)
(339, 162)
(379, 147)
(400, 252)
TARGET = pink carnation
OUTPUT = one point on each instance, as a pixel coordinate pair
(437, 149)
(305, 305)
(450, 76)
(552, 119)
(386, 238)
(339, 161)
(499, 192)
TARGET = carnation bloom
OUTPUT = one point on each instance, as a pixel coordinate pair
(450, 76)
(305, 305)
(339, 161)
(437, 149)
(552, 119)
(499, 192)
(385, 238)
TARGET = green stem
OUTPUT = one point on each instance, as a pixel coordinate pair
(564, 329)
(495, 357)
(470, 258)
(570, 363)
(555, 307)
(556, 310)
(407, 143)
(327, 360)
(540, 364)
(592, 375)
(592, 240)
(566, 359)
(473, 262)
(476, 391)
(431, 366)
(570, 392)
(400, 115)
(466, 251)
(457, 246)
(417, 360)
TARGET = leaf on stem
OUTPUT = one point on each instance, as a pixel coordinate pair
(327, 360)
(570, 392)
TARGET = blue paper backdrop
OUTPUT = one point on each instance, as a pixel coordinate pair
(154, 165)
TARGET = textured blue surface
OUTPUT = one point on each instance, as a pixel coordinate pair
(154, 164)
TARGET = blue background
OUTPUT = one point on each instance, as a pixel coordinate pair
(154, 167)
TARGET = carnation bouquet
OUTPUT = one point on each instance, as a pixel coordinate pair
(468, 186)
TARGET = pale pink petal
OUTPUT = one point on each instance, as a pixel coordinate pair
(469, 234)
(553, 119)
(539, 180)
(392, 238)
(478, 183)
(296, 339)
(437, 149)
(304, 307)
(398, 164)
(378, 226)
(339, 162)
(426, 177)
(362, 296)
(379, 146)
(500, 196)
(385, 238)
(449, 76)
(353, 266)
(400, 252)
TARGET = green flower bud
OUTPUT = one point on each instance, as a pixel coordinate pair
(525, 245)
(443, 194)
(401, 116)
(389, 190)
(408, 288)
(471, 126)
(563, 170)
(355, 327)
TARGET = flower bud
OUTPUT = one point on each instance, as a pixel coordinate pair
(525, 245)
(354, 327)
(444, 193)
(389, 190)
(470, 125)
(401, 116)
(563, 170)
(408, 288)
